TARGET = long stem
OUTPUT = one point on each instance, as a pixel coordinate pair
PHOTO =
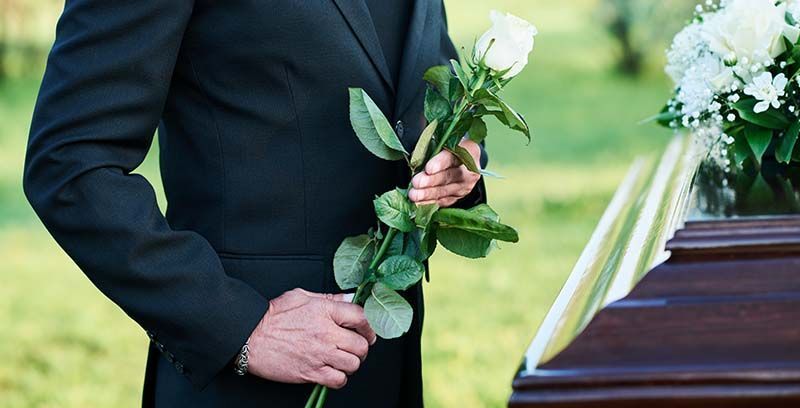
(323, 395)
(320, 393)
(387, 241)
(462, 106)
(312, 399)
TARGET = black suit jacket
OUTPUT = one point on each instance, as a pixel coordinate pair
(263, 174)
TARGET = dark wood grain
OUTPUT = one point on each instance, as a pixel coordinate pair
(717, 325)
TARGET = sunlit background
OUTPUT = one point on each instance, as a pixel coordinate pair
(595, 74)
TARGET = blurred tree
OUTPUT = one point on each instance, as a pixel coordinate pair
(26, 28)
(7, 8)
(639, 25)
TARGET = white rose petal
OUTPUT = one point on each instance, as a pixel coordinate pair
(750, 30)
(507, 44)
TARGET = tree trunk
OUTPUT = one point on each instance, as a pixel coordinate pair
(630, 59)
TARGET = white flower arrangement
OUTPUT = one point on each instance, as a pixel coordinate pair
(735, 68)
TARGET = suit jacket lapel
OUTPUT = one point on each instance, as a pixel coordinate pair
(422, 45)
(358, 17)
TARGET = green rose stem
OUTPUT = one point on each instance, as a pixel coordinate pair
(320, 393)
(460, 110)
(323, 395)
(313, 397)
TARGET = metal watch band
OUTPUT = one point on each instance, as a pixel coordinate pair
(240, 367)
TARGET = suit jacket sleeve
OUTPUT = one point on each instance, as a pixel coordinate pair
(478, 194)
(102, 96)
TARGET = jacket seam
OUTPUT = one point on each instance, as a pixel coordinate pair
(220, 149)
(302, 153)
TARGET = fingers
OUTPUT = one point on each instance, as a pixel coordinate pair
(445, 180)
(440, 192)
(331, 378)
(351, 342)
(352, 316)
(343, 361)
(449, 176)
(339, 297)
(442, 161)
(447, 201)
(473, 148)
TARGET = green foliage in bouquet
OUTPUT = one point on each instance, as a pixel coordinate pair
(389, 257)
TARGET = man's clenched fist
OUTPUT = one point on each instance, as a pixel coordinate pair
(445, 180)
(310, 338)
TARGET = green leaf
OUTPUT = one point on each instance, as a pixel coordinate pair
(477, 130)
(783, 153)
(423, 145)
(464, 243)
(465, 157)
(396, 247)
(741, 151)
(486, 98)
(480, 220)
(436, 106)
(460, 74)
(424, 214)
(461, 129)
(400, 272)
(771, 119)
(507, 115)
(394, 210)
(352, 259)
(427, 242)
(439, 77)
(456, 89)
(387, 312)
(411, 245)
(515, 121)
(372, 127)
(758, 138)
(663, 118)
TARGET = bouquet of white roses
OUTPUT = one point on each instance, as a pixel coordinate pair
(388, 258)
(736, 67)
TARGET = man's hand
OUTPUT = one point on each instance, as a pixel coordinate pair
(310, 338)
(445, 180)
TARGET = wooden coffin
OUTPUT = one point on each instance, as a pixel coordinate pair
(687, 295)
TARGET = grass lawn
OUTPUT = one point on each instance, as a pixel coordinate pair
(64, 345)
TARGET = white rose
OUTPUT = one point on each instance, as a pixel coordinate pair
(507, 44)
(749, 31)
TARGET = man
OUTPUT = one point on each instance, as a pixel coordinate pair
(263, 175)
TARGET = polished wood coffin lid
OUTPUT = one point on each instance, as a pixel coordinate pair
(713, 321)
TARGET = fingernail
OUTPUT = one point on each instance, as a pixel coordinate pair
(348, 297)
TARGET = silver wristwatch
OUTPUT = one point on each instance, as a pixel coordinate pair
(240, 365)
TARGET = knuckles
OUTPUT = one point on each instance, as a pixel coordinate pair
(337, 380)
(352, 365)
(361, 348)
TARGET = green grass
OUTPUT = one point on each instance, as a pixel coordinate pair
(64, 345)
